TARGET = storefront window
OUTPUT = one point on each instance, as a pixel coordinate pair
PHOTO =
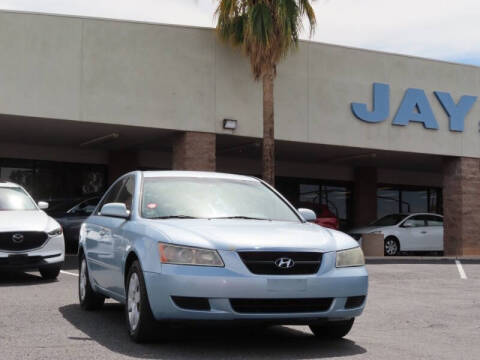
(327, 199)
(55, 182)
(398, 199)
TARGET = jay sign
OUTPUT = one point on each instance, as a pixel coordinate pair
(414, 107)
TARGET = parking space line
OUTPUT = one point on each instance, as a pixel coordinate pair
(460, 270)
(68, 273)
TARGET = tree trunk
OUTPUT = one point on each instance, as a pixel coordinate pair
(268, 148)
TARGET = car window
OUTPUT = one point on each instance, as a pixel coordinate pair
(433, 220)
(126, 192)
(87, 206)
(415, 221)
(111, 195)
(13, 198)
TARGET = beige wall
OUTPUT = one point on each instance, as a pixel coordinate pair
(182, 78)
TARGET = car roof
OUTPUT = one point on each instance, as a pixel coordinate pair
(197, 174)
(8, 184)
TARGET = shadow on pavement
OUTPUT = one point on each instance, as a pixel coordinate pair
(71, 262)
(107, 327)
(19, 278)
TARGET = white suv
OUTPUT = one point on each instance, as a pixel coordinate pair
(29, 238)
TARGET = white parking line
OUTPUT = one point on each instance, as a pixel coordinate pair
(68, 273)
(460, 270)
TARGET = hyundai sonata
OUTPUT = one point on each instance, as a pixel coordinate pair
(180, 246)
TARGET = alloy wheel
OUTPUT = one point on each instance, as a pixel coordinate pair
(133, 301)
(83, 280)
(391, 247)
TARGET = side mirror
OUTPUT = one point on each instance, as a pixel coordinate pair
(43, 205)
(118, 210)
(308, 215)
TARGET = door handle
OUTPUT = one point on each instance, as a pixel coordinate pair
(423, 232)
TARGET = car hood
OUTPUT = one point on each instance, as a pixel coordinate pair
(368, 229)
(34, 220)
(233, 235)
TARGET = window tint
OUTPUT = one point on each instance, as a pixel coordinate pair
(433, 220)
(126, 193)
(112, 194)
(416, 221)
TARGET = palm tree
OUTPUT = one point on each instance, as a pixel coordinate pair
(266, 30)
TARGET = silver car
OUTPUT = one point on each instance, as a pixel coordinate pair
(182, 246)
(29, 238)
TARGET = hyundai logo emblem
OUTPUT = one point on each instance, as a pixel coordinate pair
(284, 263)
(17, 238)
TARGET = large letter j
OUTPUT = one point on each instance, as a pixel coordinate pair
(381, 105)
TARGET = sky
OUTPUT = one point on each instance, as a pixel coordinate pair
(437, 29)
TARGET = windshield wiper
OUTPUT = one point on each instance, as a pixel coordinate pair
(240, 217)
(174, 217)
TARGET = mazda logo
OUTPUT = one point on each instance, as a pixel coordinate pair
(17, 238)
(284, 263)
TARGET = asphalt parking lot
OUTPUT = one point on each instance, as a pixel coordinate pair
(414, 311)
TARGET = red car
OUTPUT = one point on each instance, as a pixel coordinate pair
(327, 219)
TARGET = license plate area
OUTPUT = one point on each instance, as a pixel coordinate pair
(277, 285)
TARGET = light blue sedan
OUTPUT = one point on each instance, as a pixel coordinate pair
(180, 246)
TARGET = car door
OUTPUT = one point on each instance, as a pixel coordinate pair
(435, 232)
(414, 232)
(117, 239)
(98, 239)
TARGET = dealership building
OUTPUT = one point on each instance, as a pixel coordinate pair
(362, 133)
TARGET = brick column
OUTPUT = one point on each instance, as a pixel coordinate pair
(194, 151)
(364, 196)
(461, 206)
(120, 163)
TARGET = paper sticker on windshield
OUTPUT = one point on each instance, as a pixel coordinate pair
(152, 206)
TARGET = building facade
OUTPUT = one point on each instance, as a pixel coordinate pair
(358, 133)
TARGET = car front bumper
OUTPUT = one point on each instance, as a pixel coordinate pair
(234, 281)
(52, 253)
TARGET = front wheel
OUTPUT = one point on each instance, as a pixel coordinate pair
(89, 299)
(333, 329)
(140, 321)
(392, 247)
(50, 272)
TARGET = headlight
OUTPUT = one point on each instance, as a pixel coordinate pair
(350, 257)
(55, 232)
(185, 255)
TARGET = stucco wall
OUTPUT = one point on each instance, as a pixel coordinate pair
(182, 78)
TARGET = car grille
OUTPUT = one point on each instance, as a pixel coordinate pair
(276, 306)
(22, 240)
(263, 262)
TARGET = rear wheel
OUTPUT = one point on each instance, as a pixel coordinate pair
(89, 299)
(140, 321)
(50, 272)
(392, 246)
(333, 329)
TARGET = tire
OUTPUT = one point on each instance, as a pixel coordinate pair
(89, 299)
(333, 329)
(141, 324)
(50, 272)
(391, 246)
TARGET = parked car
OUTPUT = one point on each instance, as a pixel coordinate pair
(183, 246)
(406, 232)
(29, 238)
(71, 215)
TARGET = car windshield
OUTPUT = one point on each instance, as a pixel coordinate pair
(212, 198)
(15, 199)
(389, 220)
